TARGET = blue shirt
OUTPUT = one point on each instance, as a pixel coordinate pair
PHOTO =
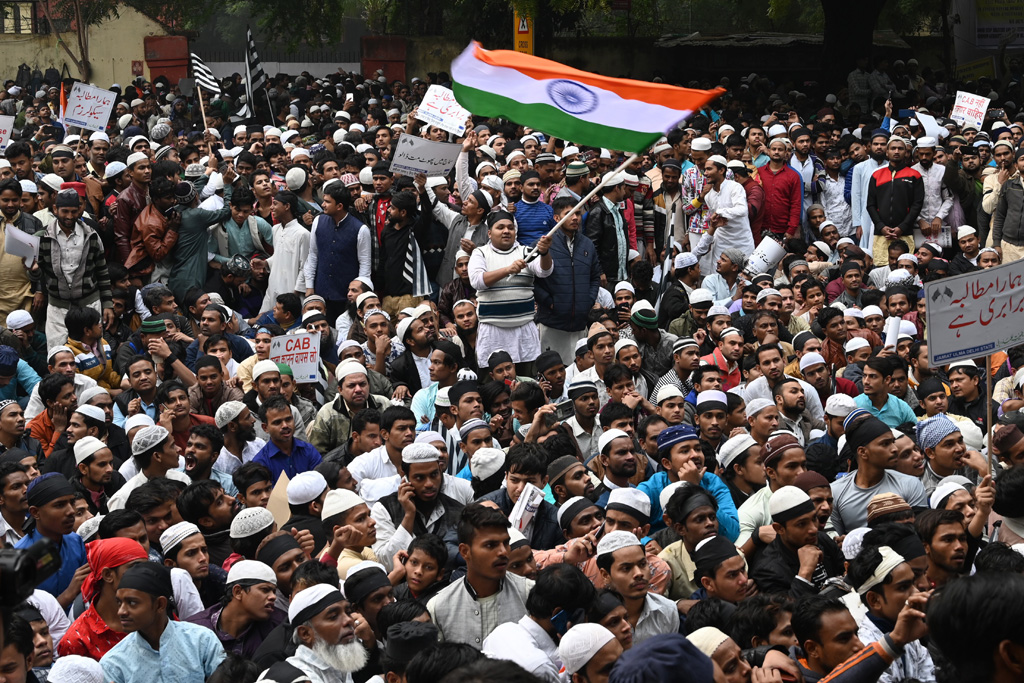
(224, 479)
(24, 377)
(189, 653)
(533, 221)
(72, 556)
(728, 517)
(147, 408)
(894, 413)
(304, 457)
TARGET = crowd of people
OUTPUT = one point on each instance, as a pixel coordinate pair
(660, 433)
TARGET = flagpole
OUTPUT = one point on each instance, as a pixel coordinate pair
(607, 176)
(202, 109)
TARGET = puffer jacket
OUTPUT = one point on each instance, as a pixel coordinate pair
(895, 198)
(98, 367)
(1008, 221)
(564, 297)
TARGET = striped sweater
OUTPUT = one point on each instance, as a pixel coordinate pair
(90, 281)
(509, 301)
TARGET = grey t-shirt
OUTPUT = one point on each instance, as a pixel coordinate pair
(850, 502)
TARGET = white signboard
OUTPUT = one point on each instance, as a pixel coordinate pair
(300, 352)
(440, 109)
(418, 155)
(975, 314)
(969, 109)
(89, 107)
(6, 128)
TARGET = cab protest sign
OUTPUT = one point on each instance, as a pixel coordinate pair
(969, 109)
(6, 128)
(89, 107)
(975, 314)
(440, 109)
(300, 352)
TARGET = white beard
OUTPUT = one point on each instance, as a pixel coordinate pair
(344, 658)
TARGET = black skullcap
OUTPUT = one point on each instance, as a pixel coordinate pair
(528, 175)
(275, 548)
(359, 585)
(460, 389)
(8, 361)
(712, 552)
(662, 658)
(496, 217)
(496, 359)
(404, 640)
(149, 577)
(548, 360)
(14, 455)
(932, 385)
(48, 488)
(850, 265)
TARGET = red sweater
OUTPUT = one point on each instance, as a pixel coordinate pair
(782, 196)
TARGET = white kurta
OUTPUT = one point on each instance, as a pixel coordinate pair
(291, 247)
(729, 202)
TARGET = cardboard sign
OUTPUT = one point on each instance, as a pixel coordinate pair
(6, 128)
(89, 107)
(440, 109)
(278, 503)
(975, 314)
(418, 155)
(300, 352)
(969, 109)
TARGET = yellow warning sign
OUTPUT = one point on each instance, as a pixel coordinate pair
(522, 35)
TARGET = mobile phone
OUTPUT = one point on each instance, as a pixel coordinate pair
(564, 410)
(349, 97)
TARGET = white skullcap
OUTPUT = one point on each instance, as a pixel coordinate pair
(309, 597)
(700, 145)
(616, 540)
(91, 393)
(349, 367)
(855, 343)
(718, 159)
(148, 439)
(262, 367)
(685, 259)
(364, 296)
(87, 446)
(733, 448)
(624, 285)
(429, 436)
(943, 490)
(927, 142)
(250, 521)
(854, 541)
(580, 643)
(239, 130)
(632, 498)
(787, 498)
(767, 292)
(823, 248)
(357, 127)
(907, 257)
(701, 296)
(94, 412)
(140, 420)
(76, 669)
(843, 240)
(810, 359)
(666, 392)
(251, 570)
(666, 493)
(442, 400)
(306, 487)
(19, 319)
(730, 331)
(99, 135)
(608, 436)
(227, 412)
(756, 405)
(29, 187)
(89, 528)
(642, 305)
(420, 452)
(718, 310)
(403, 327)
(339, 501)
(623, 343)
(135, 158)
(175, 534)
(965, 230)
(839, 405)
(486, 462)
(777, 129)
(872, 310)
(707, 639)
(573, 507)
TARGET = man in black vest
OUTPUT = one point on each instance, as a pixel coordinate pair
(419, 507)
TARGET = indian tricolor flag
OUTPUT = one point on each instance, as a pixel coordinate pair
(585, 108)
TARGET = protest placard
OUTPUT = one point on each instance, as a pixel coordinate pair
(440, 109)
(6, 128)
(300, 352)
(969, 109)
(975, 314)
(89, 107)
(418, 155)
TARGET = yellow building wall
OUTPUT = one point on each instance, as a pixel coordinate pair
(113, 45)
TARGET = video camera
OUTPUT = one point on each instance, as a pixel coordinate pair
(23, 569)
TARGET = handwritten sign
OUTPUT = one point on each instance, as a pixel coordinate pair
(418, 155)
(89, 107)
(440, 109)
(6, 128)
(300, 352)
(969, 109)
(975, 314)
